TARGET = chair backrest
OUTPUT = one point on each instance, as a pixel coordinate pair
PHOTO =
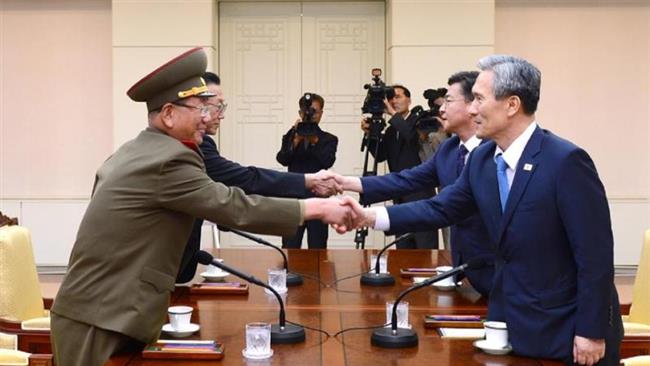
(640, 309)
(21, 297)
(8, 341)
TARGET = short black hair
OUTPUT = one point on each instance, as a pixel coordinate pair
(404, 89)
(314, 97)
(211, 78)
(466, 79)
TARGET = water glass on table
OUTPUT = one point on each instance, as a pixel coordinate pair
(258, 341)
(402, 314)
(277, 280)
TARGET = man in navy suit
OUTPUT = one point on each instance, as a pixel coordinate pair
(252, 180)
(469, 238)
(546, 211)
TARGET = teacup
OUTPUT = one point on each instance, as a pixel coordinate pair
(214, 270)
(447, 282)
(496, 334)
(179, 317)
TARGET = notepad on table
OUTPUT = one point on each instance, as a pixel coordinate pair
(184, 349)
(462, 333)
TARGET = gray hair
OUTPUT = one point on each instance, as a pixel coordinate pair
(514, 76)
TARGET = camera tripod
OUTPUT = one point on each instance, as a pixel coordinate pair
(371, 140)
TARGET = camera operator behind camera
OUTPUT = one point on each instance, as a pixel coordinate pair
(400, 146)
(428, 123)
(308, 149)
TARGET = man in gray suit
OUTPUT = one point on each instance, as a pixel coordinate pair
(146, 195)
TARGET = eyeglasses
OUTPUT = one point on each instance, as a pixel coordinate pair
(204, 109)
(449, 100)
(217, 108)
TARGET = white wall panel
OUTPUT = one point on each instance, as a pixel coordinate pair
(630, 220)
(55, 96)
(149, 23)
(442, 22)
(53, 225)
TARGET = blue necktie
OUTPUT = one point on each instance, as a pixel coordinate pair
(460, 161)
(502, 179)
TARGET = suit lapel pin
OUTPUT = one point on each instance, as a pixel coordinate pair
(528, 167)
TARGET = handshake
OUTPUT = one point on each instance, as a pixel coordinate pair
(343, 214)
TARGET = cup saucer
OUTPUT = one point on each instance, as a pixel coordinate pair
(256, 357)
(214, 276)
(488, 348)
(180, 333)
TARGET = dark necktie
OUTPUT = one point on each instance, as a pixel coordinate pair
(502, 179)
(460, 161)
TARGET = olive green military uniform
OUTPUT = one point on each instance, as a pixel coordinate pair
(130, 242)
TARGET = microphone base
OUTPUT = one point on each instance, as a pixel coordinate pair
(377, 279)
(290, 334)
(385, 338)
(293, 279)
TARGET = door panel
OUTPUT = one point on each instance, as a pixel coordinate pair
(272, 53)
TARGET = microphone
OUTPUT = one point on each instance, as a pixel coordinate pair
(394, 337)
(382, 279)
(281, 333)
(293, 279)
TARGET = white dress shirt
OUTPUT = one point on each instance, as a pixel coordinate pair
(471, 144)
(514, 151)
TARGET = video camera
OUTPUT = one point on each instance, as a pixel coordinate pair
(374, 105)
(307, 127)
(377, 92)
(432, 94)
(426, 121)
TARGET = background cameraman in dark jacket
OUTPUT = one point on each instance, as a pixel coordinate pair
(400, 147)
(307, 149)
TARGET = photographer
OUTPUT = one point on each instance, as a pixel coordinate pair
(400, 147)
(429, 125)
(308, 149)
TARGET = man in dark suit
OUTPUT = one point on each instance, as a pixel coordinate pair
(546, 211)
(251, 179)
(399, 145)
(308, 151)
(145, 198)
(469, 237)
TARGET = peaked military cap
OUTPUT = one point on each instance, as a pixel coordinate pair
(177, 79)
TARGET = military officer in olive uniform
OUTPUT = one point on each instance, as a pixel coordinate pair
(146, 195)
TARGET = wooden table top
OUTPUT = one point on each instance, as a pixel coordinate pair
(319, 303)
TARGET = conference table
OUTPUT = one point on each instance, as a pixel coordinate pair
(321, 303)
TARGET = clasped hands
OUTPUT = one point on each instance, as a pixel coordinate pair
(323, 184)
(343, 213)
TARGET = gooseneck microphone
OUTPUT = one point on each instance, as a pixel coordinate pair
(394, 337)
(375, 278)
(280, 333)
(293, 279)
